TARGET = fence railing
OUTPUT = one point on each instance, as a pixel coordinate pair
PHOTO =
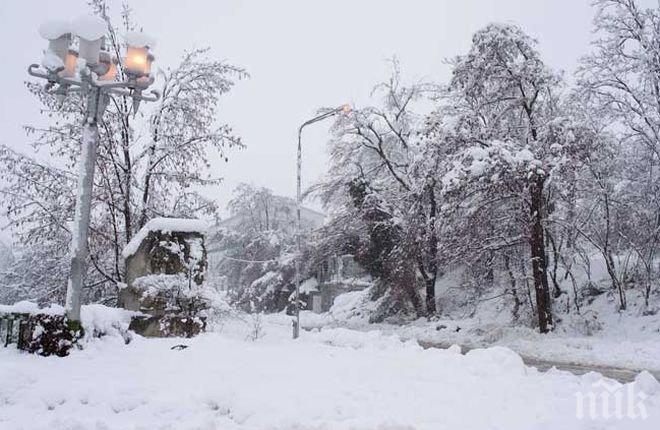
(12, 329)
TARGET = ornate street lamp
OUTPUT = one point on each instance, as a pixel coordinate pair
(92, 72)
(343, 109)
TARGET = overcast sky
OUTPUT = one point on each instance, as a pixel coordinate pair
(301, 54)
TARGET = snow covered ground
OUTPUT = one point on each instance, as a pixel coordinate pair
(328, 379)
(634, 344)
(599, 336)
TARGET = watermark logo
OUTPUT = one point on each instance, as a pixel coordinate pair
(611, 400)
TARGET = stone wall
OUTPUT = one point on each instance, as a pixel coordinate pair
(166, 267)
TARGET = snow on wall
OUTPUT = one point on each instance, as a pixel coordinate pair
(25, 307)
(95, 318)
(182, 225)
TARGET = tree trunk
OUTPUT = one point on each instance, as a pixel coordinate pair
(539, 264)
(432, 254)
(414, 298)
(514, 290)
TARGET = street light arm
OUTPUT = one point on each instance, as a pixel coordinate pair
(321, 117)
(32, 72)
(154, 97)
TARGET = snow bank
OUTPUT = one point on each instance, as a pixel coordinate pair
(495, 360)
(100, 320)
(344, 337)
(97, 320)
(222, 383)
(353, 305)
(182, 225)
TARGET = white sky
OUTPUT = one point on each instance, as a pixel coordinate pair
(301, 54)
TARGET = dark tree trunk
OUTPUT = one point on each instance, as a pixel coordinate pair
(433, 254)
(539, 264)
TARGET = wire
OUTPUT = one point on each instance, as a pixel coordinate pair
(247, 261)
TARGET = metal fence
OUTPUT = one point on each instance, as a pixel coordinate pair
(11, 326)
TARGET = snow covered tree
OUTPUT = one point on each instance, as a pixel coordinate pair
(620, 82)
(144, 161)
(515, 139)
(254, 250)
(257, 207)
(382, 178)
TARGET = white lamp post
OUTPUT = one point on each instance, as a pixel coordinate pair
(95, 77)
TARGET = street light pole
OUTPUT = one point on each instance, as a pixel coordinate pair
(90, 141)
(97, 81)
(341, 109)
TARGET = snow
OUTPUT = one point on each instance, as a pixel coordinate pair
(51, 61)
(352, 305)
(310, 285)
(100, 320)
(623, 341)
(183, 225)
(26, 307)
(89, 27)
(139, 39)
(333, 379)
(94, 318)
(54, 28)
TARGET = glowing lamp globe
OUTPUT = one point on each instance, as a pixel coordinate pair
(137, 62)
(70, 63)
(109, 65)
(138, 58)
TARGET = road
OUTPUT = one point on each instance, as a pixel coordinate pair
(618, 373)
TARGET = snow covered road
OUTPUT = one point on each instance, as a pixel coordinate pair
(333, 379)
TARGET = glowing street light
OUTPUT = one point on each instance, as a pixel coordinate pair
(92, 72)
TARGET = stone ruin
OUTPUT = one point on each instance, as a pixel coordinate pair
(166, 265)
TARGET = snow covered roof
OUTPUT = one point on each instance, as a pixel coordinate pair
(183, 225)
